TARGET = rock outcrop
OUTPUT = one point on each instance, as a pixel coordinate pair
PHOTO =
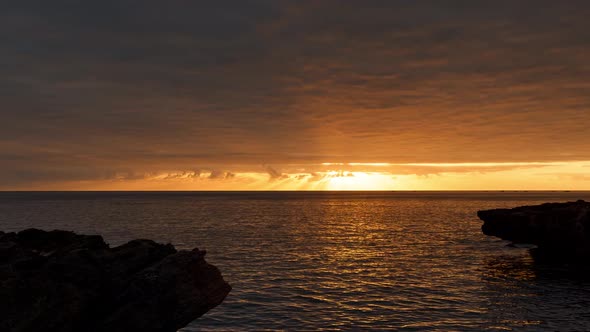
(556, 228)
(61, 281)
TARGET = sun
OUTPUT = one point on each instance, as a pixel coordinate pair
(338, 180)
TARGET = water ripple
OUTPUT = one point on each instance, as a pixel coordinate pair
(338, 262)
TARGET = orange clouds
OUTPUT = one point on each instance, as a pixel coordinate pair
(199, 96)
(496, 176)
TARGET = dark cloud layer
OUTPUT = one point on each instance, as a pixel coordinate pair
(92, 89)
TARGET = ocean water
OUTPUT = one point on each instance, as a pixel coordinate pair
(402, 261)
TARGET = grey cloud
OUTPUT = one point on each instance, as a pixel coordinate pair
(273, 174)
(183, 175)
(152, 85)
(320, 176)
(217, 174)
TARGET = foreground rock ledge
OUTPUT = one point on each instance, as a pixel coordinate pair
(61, 281)
(556, 228)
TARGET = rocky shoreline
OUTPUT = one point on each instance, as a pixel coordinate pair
(557, 229)
(62, 281)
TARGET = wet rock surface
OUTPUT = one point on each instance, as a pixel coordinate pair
(62, 281)
(559, 229)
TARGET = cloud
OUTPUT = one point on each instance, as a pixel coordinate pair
(274, 174)
(89, 90)
(217, 174)
(540, 176)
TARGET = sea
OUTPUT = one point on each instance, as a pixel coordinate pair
(352, 261)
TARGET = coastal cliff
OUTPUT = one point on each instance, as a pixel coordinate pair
(556, 228)
(61, 281)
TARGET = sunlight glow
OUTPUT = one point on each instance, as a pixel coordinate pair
(360, 181)
(357, 164)
(571, 175)
(483, 164)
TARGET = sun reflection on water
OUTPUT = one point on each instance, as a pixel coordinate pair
(339, 261)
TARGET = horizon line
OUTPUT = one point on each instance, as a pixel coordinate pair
(314, 191)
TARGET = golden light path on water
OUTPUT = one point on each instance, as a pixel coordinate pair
(337, 261)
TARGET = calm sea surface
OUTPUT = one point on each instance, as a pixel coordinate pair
(350, 261)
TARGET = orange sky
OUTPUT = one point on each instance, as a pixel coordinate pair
(285, 95)
(482, 176)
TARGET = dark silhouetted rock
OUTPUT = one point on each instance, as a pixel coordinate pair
(61, 281)
(556, 228)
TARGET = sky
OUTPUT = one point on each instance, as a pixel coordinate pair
(295, 95)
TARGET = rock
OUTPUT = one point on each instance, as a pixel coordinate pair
(62, 281)
(556, 228)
